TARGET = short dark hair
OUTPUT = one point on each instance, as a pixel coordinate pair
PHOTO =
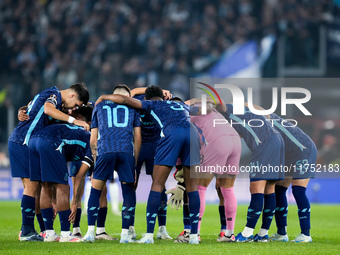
(153, 91)
(82, 92)
(85, 111)
(176, 99)
(122, 86)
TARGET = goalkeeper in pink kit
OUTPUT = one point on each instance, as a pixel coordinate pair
(220, 157)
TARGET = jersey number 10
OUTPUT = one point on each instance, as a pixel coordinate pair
(112, 116)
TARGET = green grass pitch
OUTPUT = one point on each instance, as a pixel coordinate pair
(325, 233)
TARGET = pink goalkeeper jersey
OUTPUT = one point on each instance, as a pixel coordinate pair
(206, 124)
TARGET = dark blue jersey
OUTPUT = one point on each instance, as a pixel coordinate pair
(37, 118)
(115, 125)
(168, 115)
(70, 140)
(150, 131)
(296, 141)
(253, 136)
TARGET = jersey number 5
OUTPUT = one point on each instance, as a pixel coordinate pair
(112, 116)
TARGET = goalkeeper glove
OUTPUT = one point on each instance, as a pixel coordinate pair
(179, 175)
(176, 198)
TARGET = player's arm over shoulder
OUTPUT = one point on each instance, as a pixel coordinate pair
(196, 110)
(139, 91)
(52, 111)
(120, 99)
(211, 105)
(257, 108)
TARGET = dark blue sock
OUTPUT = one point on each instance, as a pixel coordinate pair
(101, 217)
(27, 212)
(281, 210)
(152, 210)
(47, 215)
(77, 219)
(186, 217)
(268, 210)
(132, 223)
(41, 222)
(128, 205)
(222, 217)
(63, 217)
(162, 209)
(303, 205)
(194, 209)
(93, 206)
(254, 209)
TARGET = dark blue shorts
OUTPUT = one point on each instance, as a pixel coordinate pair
(19, 159)
(182, 143)
(147, 156)
(302, 164)
(122, 163)
(47, 164)
(267, 161)
(75, 166)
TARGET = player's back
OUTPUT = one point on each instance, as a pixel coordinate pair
(70, 140)
(254, 129)
(115, 125)
(37, 119)
(150, 131)
(211, 131)
(169, 115)
(294, 138)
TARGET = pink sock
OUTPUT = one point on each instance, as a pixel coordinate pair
(230, 207)
(201, 191)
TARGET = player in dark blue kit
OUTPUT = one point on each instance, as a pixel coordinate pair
(300, 157)
(150, 138)
(267, 149)
(50, 150)
(45, 105)
(117, 135)
(174, 122)
(78, 180)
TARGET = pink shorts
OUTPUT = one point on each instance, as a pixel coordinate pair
(222, 156)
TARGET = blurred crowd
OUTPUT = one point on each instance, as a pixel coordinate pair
(138, 42)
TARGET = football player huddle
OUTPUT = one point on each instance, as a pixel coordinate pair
(122, 131)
